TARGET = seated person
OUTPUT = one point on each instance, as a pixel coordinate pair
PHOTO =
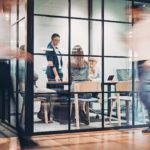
(79, 73)
(94, 73)
(54, 58)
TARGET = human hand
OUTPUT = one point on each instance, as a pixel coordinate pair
(26, 56)
(57, 78)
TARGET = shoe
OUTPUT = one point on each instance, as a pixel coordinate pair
(83, 117)
(40, 115)
(27, 143)
(146, 130)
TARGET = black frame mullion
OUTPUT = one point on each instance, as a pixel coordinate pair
(69, 62)
(133, 82)
(29, 72)
(17, 70)
(103, 61)
(89, 25)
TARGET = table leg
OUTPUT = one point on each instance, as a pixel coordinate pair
(109, 102)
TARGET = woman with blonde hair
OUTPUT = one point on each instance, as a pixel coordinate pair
(79, 73)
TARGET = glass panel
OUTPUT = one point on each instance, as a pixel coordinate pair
(140, 113)
(114, 33)
(79, 8)
(51, 7)
(79, 34)
(21, 75)
(12, 104)
(13, 75)
(13, 37)
(120, 85)
(89, 92)
(21, 9)
(116, 10)
(43, 30)
(96, 9)
(22, 33)
(14, 12)
(96, 38)
(50, 96)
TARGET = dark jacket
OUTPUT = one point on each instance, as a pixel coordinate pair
(52, 56)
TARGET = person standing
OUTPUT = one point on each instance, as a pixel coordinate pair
(138, 39)
(54, 58)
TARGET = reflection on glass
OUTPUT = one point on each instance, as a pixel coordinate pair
(79, 36)
(116, 10)
(44, 28)
(114, 33)
(51, 7)
(79, 8)
(96, 38)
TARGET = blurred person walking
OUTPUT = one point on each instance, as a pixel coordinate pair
(138, 39)
(6, 53)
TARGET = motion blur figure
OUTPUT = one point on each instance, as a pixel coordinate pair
(138, 39)
(6, 53)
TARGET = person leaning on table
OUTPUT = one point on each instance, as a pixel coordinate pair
(54, 58)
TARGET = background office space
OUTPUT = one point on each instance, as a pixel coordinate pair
(96, 25)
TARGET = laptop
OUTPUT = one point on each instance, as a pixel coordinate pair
(110, 78)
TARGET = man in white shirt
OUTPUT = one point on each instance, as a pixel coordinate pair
(138, 39)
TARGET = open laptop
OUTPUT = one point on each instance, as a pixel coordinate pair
(110, 78)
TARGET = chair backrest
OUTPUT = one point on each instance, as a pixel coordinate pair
(124, 86)
(87, 86)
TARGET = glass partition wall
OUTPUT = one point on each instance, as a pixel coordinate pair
(17, 20)
(79, 102)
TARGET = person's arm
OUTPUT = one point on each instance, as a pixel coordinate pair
(50, 63)
(8, 52)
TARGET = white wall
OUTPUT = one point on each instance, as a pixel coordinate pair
(44, 27)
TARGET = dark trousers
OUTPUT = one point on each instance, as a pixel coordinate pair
(6, 90)
(144, 77)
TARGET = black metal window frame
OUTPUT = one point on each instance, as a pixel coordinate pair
(29, 121)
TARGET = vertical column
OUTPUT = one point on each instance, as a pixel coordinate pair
(29, 72)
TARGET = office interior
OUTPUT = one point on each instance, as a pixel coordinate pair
(98, 26)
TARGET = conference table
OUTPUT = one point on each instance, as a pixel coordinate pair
(59, 88)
